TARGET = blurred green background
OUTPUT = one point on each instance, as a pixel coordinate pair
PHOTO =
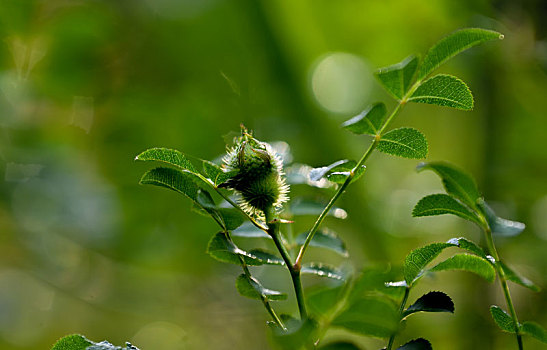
(86, 85)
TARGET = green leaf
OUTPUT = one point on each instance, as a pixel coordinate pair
(470, 263)
(372, 316)
(418, 259)
(224, 250)
(455, 181)
(322, 301)
(373, 280)
(452, 45)
(172, 179)
(231, 217)
(431, 302)
(439, 204)
(248, 230)
(298, 334)
(514, 277)
(466, 244)
(397, 79)
(340, 345)
(337, 172)
(169, 156)
(368, 121)
(306, 207)
(322, 270)
(502, 319)
(317, 173)
(251, 288)
(444, 90)
(215, 173)
(535, 330)
(404, 142)
(416, 344)
(72, 342)
(325, 239)
(340, 176)
(104, 345)
(499, 226)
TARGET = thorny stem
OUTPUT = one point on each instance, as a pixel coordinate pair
(401, 308)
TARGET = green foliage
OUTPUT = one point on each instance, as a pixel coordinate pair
(307, 207)
(417, 260)
(502, 319)
(337, 172)
(439, 204)
(452, 45)
(168, 156)
(397, 79)
(416, 344)
(322, 301)
(444, 90)
(322, 270)
(173, 180)
(251, 288)
(297, 335)
(469, 263)
(431, 302)
(466, 244)
(514, 277)
(79, 342)
(368, 121)
(404, 142)
(535, 330)
(340, 345)
(223, 249)
(500, 226)
(326, 239)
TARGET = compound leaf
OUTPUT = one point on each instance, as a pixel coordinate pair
(325, 239)
(444, 90)
(514, 277)
(368, 121)
(396, 79)
(470, 263)
(251, 288)
(417, 260)
(452, 45)
(439, 204)
(431, 302)
(502, 319)
(404, 142)
(535, 330)
(372, 316)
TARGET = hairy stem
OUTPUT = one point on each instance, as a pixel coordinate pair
(401, 308)
(503, 281)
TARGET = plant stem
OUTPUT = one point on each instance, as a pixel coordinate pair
(401, 308)
(273, 231)
(503, 280)
(346, 183)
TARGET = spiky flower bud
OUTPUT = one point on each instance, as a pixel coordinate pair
(259, 178)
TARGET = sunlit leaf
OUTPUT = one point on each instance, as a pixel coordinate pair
(306, 207)
(404, 142)
(251, 288)
(169, 156)
(172, 179)
(370, 316)
(397, 79)
(325, 239)
(431, 302)
(215, 173)
(514, 277)
(444, 90)
(368, 121)
(455, 181)
(417, 344)
(439, 204)
(502, 319)
(322, 270)
(535, 330)
(452, 45)
(499, 226)
(466, 244)
(469, 263)
(224, 250)
(417, 259)
(72, 342)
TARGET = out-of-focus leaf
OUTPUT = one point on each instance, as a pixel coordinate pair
(299, 335)
(231, 217)
(376, 280)
(502, 319)
(444, 90)
(368, 121)
(224, 250)
(340, 345)
(417, 259)
(297, 174)
(104, 345)
(337, 172)
(439, 204)
(172, 179)
(322, 301)
(470, 263)
(452, 45)
(514, 277)
(535, 330)
(466, 244)
(305, 207)
(499, 226)
(322, 270)
(317, 173)
(370, 316)
(251, 288)
(249, 230)
(455, 181)
(404, 142)
(417, 344)
(431, 302)
(72, 342)
(325, 239)
(169, 156)
(396, 79)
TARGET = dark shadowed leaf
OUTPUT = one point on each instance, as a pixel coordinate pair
(444, 90)
(397, 79)
(322, 270)
(452, 45)
(431, 302)
(500, 226)
(469, 263)
(251, 288)
(502, 319)
(418, 259)
(439, 204)
(169, 156)
(224, 250)
(327, 239)
(535, 330)
(370, 316)
(416, 344)
(455, 181)
(340, 345)
(368, 121)
(514, 277)
(404, 142)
